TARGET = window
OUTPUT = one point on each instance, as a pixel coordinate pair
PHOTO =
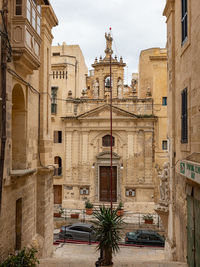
(18, 10)
(107, 82)
(164, 101)
(33, 11)
(57, 136)
(184, 21)
(56, 54)
(164, 145)
(184, 118)
(130, 192)
(58, 170)
(106, 140)
(84, 191)
(54, 100)
(28, 10)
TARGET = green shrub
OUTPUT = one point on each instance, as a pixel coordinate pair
(24, 258)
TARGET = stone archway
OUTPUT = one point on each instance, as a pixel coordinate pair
(18, 129)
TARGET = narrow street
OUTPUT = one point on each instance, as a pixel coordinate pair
(74, 255)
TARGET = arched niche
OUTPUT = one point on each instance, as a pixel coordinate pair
(18, 129)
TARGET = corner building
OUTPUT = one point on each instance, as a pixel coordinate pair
(27, 185)
(183, 215)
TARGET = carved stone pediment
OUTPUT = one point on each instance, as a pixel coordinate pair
(106, 155)
(103, 112)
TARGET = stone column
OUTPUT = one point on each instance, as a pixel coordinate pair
(44, 211)
(141, 156)
(68, 156)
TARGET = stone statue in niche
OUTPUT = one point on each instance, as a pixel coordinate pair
(164, 183)
(119, 88)
(96, 89)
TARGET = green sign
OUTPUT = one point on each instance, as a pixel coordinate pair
(191, 170)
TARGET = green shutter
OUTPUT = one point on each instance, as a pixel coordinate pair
(190, 231)
(197, 231)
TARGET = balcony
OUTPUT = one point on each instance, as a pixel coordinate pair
(25, 36)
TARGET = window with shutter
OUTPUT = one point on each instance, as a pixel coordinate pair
(184, 21)
(184, 117)
(57, 136)
(106, 140)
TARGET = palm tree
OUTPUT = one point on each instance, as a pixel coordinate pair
(108, 229)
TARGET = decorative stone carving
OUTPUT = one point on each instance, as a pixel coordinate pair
(119, 88)
(70, 94)
(148, 94)
(96, 89)
(164, 183)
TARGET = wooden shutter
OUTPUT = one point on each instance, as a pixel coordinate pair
(184, 117)
(57, 194)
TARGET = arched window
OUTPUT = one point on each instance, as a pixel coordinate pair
(58, 170)
(107, 82)
(106, 140)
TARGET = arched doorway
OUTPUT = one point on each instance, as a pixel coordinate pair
(18, 129)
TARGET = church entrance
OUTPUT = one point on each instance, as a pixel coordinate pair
(104, 182)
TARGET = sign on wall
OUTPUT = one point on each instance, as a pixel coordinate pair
(191, 170)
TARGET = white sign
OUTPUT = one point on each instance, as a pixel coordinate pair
(191, 170)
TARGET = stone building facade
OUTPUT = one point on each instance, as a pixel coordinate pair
(27, 183)
(183, 212)
(82, 131)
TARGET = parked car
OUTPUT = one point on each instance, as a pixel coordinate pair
(145, 237)
(78, 231)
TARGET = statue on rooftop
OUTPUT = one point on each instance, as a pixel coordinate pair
(109, 40)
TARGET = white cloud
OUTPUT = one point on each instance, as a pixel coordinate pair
(136, 25)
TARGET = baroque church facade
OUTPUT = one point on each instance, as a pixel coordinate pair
(81, 126)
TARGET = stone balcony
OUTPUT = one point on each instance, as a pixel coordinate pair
(25, 44)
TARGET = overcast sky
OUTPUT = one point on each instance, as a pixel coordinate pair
(136, 25)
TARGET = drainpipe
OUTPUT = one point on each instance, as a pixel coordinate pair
(3, 94)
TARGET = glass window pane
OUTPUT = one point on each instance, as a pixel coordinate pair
(39, 8)
(28, 5)
(28, 15)
(18, 2)
(18, 10)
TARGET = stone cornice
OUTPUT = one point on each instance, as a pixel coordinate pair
(50, 16)
(169, 7)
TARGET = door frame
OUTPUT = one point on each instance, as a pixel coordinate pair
(107, 165)
(103, 159)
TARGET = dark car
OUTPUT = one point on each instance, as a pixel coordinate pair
(78, 231)
(145, 238)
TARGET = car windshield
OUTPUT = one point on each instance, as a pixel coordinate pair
(131, 233)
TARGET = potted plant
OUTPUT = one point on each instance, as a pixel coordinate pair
(75, 215)
(108, 229)
(120, 210)
(148, 218)
(88, 207)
